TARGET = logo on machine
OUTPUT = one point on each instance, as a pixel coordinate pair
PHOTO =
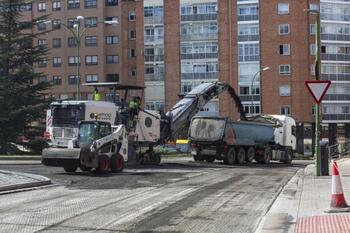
(101, 116)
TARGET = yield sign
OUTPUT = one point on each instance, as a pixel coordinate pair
(318, 89)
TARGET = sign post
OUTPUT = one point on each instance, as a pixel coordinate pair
(318, 89)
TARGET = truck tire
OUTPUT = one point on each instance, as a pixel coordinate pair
(117, 163)
(240, 155)
(250, 155)
(288, 156)
(103, 164)
(210, 159)
(230, 157)
(70, 169)
(267, 155)
(84, 168)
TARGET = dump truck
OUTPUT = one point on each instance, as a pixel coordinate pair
(261, 138)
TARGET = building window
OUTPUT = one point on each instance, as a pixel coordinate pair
(133, 73)
(26, 7)
(71, 22)
(244, 90)
(312, 29)
(132, 34)
(111, 2)
(91, 41)
(41, 6)
(72, 79)
(56, 43)
(285, 69)
(313, 7)
(248, 52)
(56, 5)
(91, 60)
(283, 8)
(72, 42)
(42, 79)
(42, 63)
(73, 60)
(56, 24)
(284, 90)
(91, 22)
(57, 80)
(112, 78)
(112, 59)
(283, 29)
(112, 39)
(285, 110)
(41, 26)
(56, 61)
(73, 4)
(285, 49)
(42, 43)
(91, 78)
(132, 16)
(313, 49)
(90, 3)
(132, 53)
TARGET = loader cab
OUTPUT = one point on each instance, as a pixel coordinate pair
(89, 131)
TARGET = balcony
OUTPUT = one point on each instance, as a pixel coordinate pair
(199, 17)
(337, 97)
(154, 58)
(248, 58)
(335, 117)
(153, 20)
(248, 17)
(336, 77)
(154, 77)
(154, 39)
(335, 57)
(335, 17)
(249, 98)
(338, 37)
(199, 56)
(248, 38)
(202, 36)
(191, 76)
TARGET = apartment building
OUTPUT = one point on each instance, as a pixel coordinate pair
(107, 50)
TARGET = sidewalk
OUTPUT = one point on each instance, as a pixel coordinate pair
(11, 181)
(301, 204)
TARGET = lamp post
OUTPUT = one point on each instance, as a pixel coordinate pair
(318, 74)
(78, 34)
(251, 85)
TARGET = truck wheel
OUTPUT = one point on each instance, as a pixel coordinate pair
(117, 163)
(70, 169)
(84, 168)
(103, 164)
(240, 155)
(230, 157)
(267, 155)
(250, 155)
(288, 156)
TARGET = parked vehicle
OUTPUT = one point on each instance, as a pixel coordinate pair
(262, 138)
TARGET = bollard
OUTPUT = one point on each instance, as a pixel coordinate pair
(324, 159)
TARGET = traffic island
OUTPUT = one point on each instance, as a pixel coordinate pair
(13, 181)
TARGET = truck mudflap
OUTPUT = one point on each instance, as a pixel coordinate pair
(60, 157)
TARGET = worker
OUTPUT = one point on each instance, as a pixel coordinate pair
(96, 96)
(134, 107)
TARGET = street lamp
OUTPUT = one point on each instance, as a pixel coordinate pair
(318, 73)
(251, 86)
(78, 34)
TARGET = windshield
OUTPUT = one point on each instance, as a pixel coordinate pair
(87, 133)
(207, 129)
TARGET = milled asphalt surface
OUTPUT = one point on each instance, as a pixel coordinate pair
(178, 196)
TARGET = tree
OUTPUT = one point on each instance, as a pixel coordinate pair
(21, 90)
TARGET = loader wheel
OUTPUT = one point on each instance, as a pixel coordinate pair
(103, 164)
(267, 155)
(250, 155)
(240, 155)
(230, 157)
(70, 169)
(117, 163)
(84, 168)
(288, 156)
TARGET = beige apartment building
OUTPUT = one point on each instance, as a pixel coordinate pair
(264, 49)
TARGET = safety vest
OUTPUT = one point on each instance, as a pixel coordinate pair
(132, 104)
(97, 96)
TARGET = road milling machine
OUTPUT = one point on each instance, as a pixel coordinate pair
(104, 141)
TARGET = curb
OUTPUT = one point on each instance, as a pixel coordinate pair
(38, 181)
(282, 215)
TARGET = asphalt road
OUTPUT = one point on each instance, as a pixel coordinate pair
(178, 196)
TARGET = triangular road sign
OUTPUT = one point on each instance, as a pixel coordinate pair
(318, 89)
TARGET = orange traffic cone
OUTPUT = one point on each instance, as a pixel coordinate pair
(338, 203)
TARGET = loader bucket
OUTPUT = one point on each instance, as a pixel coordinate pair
(60, 157)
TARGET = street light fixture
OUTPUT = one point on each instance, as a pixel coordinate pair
(318, 74)
(78, 34)
(251, 86)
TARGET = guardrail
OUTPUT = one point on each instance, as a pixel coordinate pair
(339, 150)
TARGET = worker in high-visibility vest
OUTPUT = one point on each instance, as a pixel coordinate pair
(134, 107)
(96, 95)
